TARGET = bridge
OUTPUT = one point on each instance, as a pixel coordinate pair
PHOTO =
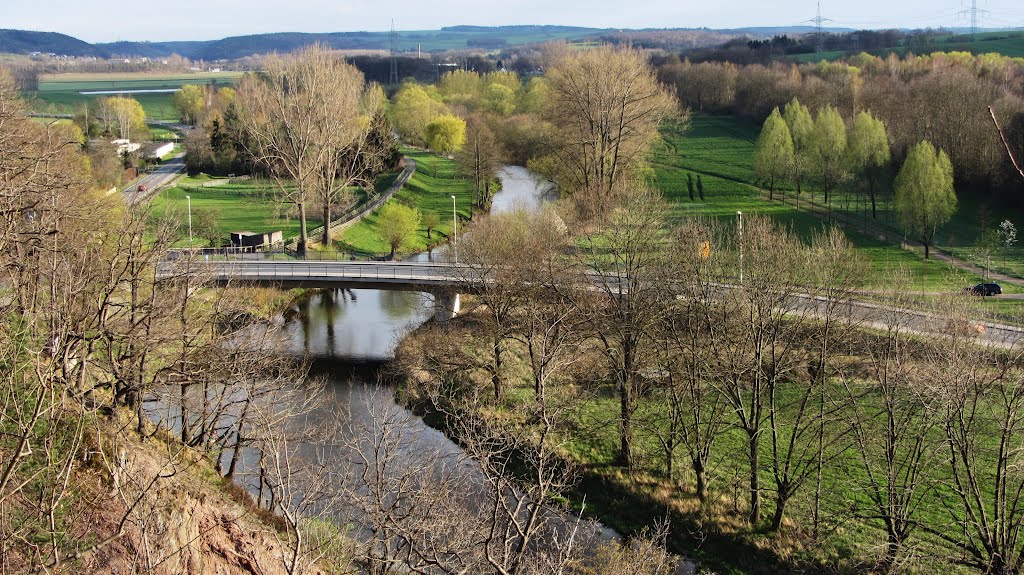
(444, 281)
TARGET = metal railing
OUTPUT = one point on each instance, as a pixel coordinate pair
(362, 210)
(412, 273)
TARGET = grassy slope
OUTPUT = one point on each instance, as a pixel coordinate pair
(429, 190)
(720, 149)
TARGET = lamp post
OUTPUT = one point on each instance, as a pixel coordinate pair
(455, 228)
(739, 216)
(188, 199)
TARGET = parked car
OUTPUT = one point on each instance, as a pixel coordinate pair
(985, 289)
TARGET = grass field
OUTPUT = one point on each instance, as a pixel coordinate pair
(429, 191)
(1006, 43)
(60, 93)
(720, 150)
(246, 206)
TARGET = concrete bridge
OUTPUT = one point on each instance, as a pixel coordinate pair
(444, 281)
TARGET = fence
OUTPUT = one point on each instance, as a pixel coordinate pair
(359, 212)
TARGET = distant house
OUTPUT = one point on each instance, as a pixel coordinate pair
(255, 240)
(125, 146)
(158, 150)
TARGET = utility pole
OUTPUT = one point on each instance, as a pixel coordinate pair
(818, 21)
(393, 80)
(973, 13)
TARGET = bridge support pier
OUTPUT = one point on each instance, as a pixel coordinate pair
(446, 305)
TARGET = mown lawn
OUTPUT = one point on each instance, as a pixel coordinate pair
(720, 150)
(430, 191)
(245, 206)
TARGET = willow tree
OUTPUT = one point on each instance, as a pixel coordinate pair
(868, 153)
(925, 199)
(773, 157)
(829, 150)
(801, 128)
(606, 105)
(297, 114)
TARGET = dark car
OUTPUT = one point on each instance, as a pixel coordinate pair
(985, 289)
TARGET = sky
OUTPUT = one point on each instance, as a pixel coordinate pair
(113, 20)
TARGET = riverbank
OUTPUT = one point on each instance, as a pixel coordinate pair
(429, 190)
(711, 533)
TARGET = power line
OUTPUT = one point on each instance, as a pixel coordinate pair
(973, 11)
(818, 21)
(394, 55)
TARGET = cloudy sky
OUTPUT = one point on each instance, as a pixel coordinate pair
(111, 20)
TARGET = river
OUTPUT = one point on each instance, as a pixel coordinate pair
(349, 334)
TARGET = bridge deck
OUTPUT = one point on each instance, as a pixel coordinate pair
(412, 276)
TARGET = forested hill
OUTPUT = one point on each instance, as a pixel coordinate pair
(26, 42)
(449, 38)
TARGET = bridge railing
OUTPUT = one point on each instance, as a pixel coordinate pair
(416, 273)
(261, 254)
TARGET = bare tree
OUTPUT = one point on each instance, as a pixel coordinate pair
(297, 117)
(895, 417)
(753, 348)
(627, 259)
(606, 104)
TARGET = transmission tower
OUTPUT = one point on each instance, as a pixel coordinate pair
(394, 55)
(973, 12)
(818, 21)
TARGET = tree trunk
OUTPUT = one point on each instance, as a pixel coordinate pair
(874, 207)
(326, 241)
(625, 423)
(499, 391)
(755, 483)
(927, 250)
(303, 234)
(780, 508)
(701, 480)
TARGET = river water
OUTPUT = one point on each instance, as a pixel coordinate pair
(348, 332)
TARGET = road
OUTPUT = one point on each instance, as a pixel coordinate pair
(155, 180)
(446, 277)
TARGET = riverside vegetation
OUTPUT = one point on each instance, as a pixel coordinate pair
(91, 481)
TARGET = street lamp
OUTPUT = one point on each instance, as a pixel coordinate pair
(455, 228)
(739, 216)
(188, 199)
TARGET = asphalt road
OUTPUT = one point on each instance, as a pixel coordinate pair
(155, 181)
(416, 276)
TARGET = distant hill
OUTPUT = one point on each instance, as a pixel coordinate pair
(445, 39)
(27, 42)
